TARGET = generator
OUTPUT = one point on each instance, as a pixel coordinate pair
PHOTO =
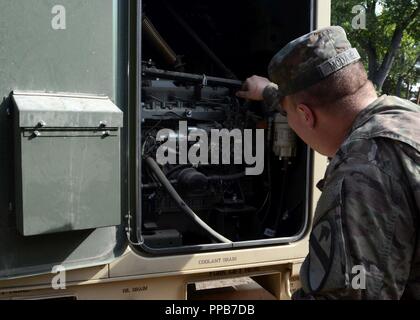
(128, 162)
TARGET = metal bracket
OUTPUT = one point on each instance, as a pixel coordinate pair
(205, 81)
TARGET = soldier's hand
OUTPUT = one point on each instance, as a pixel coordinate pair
(253, 88)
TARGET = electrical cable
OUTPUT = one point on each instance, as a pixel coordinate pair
(181, 203)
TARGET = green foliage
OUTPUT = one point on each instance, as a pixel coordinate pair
(383, 18)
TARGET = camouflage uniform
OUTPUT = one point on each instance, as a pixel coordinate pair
(364, 243)
(366, 221)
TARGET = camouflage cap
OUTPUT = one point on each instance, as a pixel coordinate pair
(310, 59)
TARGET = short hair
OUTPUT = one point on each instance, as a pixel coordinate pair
(342, 84)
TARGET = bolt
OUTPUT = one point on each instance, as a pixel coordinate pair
(37, 133)
(41, 124)
(188, 113)
(103, 124)
(106, 134)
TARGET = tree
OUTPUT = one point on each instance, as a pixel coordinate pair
(390, 42)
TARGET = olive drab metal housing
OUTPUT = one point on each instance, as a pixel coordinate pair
(58, 62)
(87, 87)
(67, 152)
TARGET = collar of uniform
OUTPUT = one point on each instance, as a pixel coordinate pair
(320, 185)
(361, 119)
(366, 114)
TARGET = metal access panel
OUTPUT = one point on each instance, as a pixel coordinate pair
(72, 46)
(58, 46)
(68, 163)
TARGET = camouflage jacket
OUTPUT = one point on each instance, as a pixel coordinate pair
(365, 241)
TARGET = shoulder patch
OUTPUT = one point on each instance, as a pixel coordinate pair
(321, 254)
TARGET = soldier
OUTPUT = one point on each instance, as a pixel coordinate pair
(364, 243)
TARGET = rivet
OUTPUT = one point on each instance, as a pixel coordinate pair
(106, 134)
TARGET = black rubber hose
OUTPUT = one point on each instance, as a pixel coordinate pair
(181, 203)
(235, 176)
(178, 168)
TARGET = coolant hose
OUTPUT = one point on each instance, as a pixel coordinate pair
(181, 203)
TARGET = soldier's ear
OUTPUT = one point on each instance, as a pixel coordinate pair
(306, 115)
